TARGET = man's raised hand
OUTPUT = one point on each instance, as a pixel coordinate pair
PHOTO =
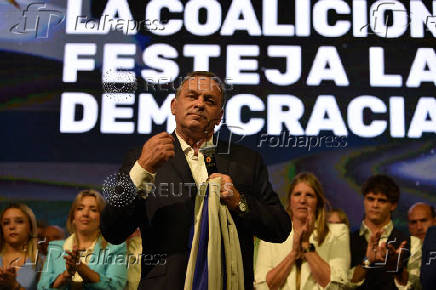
(156, 151)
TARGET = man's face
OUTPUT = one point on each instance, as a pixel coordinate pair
(51, 233)
(198, 108)
(420, 220)
(378, 208)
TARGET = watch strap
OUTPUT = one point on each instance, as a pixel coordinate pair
(309, 249)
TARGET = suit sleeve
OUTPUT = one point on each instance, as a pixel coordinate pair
(428, 264)
(266, 217)
(117, 223)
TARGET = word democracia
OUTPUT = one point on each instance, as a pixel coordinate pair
(365, 116)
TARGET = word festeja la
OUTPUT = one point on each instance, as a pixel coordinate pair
(118, 64)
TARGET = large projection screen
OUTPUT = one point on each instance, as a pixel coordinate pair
(344, 89)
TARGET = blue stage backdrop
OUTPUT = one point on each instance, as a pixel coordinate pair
(344, 89)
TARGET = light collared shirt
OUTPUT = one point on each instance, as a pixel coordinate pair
(335, 250)
(413, 266)
(143, 179)
(386, 232)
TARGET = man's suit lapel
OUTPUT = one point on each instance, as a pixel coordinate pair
(179, 162)
(222, 156)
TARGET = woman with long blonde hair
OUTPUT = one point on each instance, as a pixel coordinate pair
(315, 255)
(18, 248)
(90, 262)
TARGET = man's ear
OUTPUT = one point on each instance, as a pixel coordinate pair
(173, 106)
(394, 206)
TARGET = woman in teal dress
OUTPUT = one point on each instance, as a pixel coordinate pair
(84, 260)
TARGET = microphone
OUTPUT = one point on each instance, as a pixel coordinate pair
(209, 159)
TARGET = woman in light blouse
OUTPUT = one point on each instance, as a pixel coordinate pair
(84, 260)
(315, 255)
(337, 216)
(18, 248)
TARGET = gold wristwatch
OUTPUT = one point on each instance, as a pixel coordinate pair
(242, 205)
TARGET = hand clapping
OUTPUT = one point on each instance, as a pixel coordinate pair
(302, 235)
(308, 226)
(374, 252)
(296, 245)
(8, 277)
(385, 253)
(72, 261)
(394, 257)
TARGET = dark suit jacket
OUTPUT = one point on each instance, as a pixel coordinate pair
(377, 278)
(166, 217)
(428, 262)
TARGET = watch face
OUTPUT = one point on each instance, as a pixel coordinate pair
(366, 263)
(242, 207)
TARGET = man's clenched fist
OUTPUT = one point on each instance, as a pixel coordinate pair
(156, 151)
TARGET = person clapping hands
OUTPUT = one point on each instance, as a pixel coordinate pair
(315, 254)
(85, 264)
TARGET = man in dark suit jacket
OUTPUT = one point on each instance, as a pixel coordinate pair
(382, 256)
(428, 263)
(166, 215)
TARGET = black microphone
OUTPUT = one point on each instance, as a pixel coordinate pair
(209, 159)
